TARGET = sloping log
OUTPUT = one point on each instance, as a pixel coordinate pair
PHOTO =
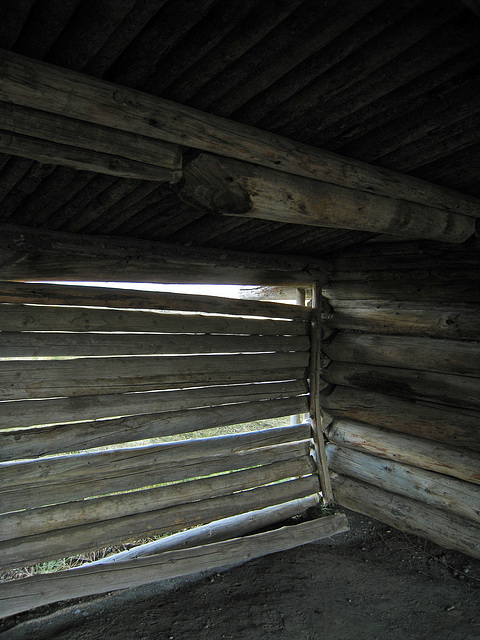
(418, 452)
(425, 354)
(83, 159)
(39, 590)
(463, 291)
(15, 317)
(16, 444)
(81, 296)
(77, 96)
(55, 139)
(22, 413)
(35, 521)
(22, 489)
(34, 254)
(65, 542)
(214, 531)
(435, 489)
(436, 320)
(222, 185)
(51, 344)
(459, 391)
(411, 516)
(457, 427)
(84, 376)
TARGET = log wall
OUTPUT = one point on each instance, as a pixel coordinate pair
(401, 403)
(111, 368)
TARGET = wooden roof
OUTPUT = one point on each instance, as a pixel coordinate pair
(394, 84)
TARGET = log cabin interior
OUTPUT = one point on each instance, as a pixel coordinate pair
(310, 144)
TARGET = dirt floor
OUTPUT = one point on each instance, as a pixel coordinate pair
(373, 582)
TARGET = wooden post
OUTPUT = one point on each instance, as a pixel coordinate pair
(315, 372)
(300, 299)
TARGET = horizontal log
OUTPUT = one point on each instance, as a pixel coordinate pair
(426, 291)
(452, 321)
(65, 542)
(439, 275)
(405, 352)
(66, 92)
(443, 528)
(88, 464)
(84, 376)
(40, 389)
(222, 185)
(50, 344)
(83, 159)
(443, 388)
(388, 254)
(40, 441)
(22, 413)
(22, 491)
(34, 254)
(457, 427)
(82, 296)
(435, 489)
(214, 531)
(39, 590)
(14, 317)
(60, 516)
(45, 127)
(418, 452)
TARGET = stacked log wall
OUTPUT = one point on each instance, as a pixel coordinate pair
(85, 368)
(401, 397)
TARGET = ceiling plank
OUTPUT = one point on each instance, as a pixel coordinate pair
(37, 85)
(32, 254)
(223, 185)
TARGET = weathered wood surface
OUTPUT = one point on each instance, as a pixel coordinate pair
(435, 489)
(88, 464)
(453, 426)
(214, 531)
(437, 320)
(59, 516)
(40, 590)
(40, 441)
(84, 376)
(411, 516)
(50, 344)
(82, 159)
(463, 291)
(39, 484)
(425, 354)
(46, 127)
(34, 254)
(460, 391)
(418, 452)
(439, 275)
(315, 385)
(66, 92)
(15, 317)
(65, 542)
(222, 185)
(81, 296)
(22, 413)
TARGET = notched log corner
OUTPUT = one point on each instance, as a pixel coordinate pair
(208, 187)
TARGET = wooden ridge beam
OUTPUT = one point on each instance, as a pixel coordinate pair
(226, 186)
(37, 85)
(34, 254)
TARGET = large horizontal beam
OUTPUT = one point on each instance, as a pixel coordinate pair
(34, 254)
(226, 186)
(36, 85)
